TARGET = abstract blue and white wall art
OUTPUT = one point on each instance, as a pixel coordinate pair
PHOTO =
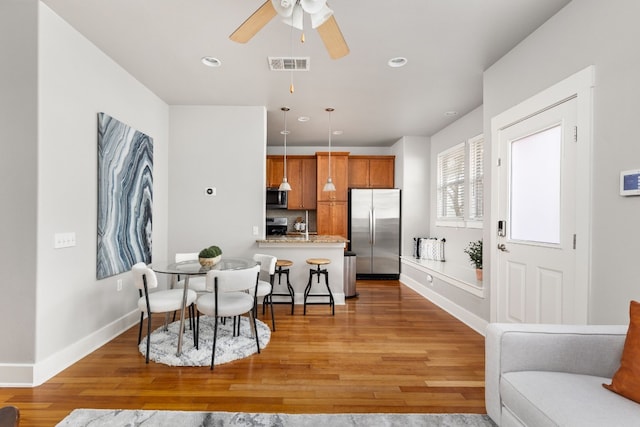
(125, 196)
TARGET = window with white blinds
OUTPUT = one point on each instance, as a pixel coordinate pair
(476, 178)
(450, 177)
(460, 185)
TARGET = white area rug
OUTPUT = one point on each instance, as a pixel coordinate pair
(228, 348)
(109, 418)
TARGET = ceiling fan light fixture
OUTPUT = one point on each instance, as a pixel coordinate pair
(296, 19)
(283, 8)
(321, 16)
(313, 6)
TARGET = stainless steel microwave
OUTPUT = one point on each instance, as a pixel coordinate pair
(276, 199)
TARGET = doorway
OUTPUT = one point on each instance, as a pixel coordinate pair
(540, 206)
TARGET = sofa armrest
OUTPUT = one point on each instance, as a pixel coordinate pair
(580, 349)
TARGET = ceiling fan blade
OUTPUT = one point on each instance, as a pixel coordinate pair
(254, 23)
(333, 39)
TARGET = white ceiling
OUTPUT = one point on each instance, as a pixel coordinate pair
(448, 44)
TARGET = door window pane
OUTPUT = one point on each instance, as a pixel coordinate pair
(535, 187)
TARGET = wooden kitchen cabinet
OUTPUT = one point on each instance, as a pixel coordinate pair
(275, 170)
(331, 218)
(339, 176)
(301, 174)
(371, 171)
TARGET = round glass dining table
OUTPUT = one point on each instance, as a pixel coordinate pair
(190, 268)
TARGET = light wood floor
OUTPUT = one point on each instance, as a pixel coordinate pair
(389, 350)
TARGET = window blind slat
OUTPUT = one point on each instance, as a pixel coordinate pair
(476, 177)
(451, 179)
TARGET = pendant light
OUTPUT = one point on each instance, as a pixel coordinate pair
(329, 186)
(284, 186)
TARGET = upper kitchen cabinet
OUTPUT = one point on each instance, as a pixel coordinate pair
(275, 170)
(339, 176)
(301, 174)
(371, 171)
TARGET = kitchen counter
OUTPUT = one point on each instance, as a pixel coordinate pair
(300, 248)
(301, 238)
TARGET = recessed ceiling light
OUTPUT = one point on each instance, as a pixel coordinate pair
(210, 61)
(451, 113)
(304, 118)
(285, 132)
(397, 62)
(337, 132)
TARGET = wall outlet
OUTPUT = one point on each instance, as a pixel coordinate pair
(255, 230)
(119, 285)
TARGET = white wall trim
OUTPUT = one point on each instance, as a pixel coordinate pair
(579, 85)
(32, 375)
(468, 318)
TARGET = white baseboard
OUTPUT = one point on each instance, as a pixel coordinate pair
(476, 323)
(32, 375)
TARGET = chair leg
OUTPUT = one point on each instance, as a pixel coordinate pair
(148, 335)
(196, 334)
(193, 321)
(252, 320)
(215, 337)
(140, 328)
(273, 316)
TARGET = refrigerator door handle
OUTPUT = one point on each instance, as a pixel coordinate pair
(370, 224)
(373, 226)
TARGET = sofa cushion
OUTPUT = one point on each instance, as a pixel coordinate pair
(626, 380)
(541, 398)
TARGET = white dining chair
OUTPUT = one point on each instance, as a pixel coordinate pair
(163, 301)
(197, 283)
(265, 284)
(231, 293)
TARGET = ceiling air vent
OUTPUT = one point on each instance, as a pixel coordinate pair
(288, 63)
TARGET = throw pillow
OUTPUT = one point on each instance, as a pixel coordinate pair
(626, 380)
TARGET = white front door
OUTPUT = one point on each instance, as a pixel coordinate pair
(536, 265)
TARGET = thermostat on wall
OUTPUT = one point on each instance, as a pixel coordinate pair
(630, 183)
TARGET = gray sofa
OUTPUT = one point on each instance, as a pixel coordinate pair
(552, 375)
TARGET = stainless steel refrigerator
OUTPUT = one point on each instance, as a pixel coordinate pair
(374, 232)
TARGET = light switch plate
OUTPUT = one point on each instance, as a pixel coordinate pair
(64, 240)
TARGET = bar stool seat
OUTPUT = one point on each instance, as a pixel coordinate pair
(282, 268)
(319, 271)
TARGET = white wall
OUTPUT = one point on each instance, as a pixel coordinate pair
(604, 34)
(18, 187)
(73, 311)
(457, 239)
(225, 148)
(412, 177)
(461, 130)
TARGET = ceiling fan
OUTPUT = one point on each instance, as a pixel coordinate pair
(292, 12)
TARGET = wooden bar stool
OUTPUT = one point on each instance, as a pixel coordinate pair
(318, 262)
(282, 267)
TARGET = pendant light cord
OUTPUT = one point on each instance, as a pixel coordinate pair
(329, 110)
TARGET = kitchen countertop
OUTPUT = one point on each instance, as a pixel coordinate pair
(303, 239)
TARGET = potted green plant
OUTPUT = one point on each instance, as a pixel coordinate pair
(208, 257)
(474, 250)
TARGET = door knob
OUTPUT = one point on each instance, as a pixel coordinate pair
(503, 247)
